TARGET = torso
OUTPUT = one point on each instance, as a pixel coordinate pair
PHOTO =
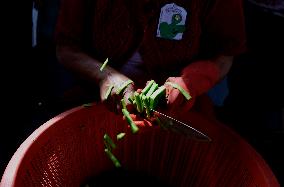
(117, 35)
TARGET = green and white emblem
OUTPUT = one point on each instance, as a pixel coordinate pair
(171, 22)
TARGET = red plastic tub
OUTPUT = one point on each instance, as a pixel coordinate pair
(69, 148)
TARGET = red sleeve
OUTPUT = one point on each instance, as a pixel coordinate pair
(70, 22)
(224, 28)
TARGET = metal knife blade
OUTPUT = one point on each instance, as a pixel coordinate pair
(181, 127)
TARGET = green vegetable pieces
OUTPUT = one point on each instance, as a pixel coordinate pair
(108, 142)
(123, 86)
(156, 96)
(113, 158)
(133, 126)
(109, 91)
(104, 65)
(182, 91)
(148, 86)
(149, 98)
(120, 136)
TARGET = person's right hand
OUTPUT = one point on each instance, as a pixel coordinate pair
(176, 102)
(113, 102)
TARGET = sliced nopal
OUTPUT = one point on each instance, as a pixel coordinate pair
(109, 142)
(109, 91)
(156, 96)
(153, 88)
(120, 135)
(147, 87)
(123, 104)
(138, 102)
(104, 65)
(133, 127)
(182, 91)
(113, 158)
(123, 86)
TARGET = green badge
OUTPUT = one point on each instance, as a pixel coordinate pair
(171, 22)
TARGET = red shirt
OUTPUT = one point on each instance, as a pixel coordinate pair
(115, 29)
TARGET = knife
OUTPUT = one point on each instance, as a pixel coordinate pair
(181, 127)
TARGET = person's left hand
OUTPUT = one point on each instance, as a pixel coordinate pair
(141, 122)
(113, 101)
(176, 102)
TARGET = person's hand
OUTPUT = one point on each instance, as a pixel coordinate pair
(197, 78)
(176, 102)
(113, 101)
(140, 121)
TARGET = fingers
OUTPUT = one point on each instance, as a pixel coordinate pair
(174, 98)
(113, 101)
(176, 105)
(176, 101)
(140, 122)
(139, 91)
(128, 93)
(143, 123)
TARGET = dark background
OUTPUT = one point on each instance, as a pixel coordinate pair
(254, 107)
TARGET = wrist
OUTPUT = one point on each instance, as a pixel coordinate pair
(201, 76)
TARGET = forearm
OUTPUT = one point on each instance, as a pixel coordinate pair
(84, 65)
(202, 75)
(224, 64)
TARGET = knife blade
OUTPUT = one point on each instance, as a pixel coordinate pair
(181, 127)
